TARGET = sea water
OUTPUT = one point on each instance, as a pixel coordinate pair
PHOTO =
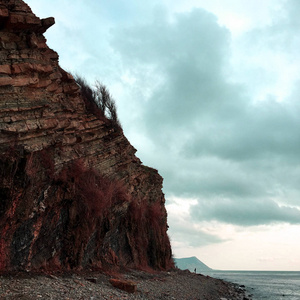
(264, 285)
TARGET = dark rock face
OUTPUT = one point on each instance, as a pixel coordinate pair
(73, 194)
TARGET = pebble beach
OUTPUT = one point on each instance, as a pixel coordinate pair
(176, 284)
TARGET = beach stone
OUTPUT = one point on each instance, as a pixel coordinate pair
(125, 285)
(92, 279)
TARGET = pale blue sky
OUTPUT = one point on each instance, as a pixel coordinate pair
(209, 95)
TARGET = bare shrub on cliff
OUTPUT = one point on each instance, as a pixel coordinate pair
(148, 227)
(155, 215)
(88, 96)
(106, 103)
(95, 194)
(99, 101)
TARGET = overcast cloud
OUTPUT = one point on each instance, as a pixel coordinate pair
(221, 146)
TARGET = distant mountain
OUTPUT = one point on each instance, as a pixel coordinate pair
(191, 263)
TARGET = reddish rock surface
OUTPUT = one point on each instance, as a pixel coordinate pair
(73, 195)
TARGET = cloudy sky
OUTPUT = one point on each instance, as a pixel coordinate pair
(208, 93)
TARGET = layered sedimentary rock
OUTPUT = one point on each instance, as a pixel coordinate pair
(73, 194)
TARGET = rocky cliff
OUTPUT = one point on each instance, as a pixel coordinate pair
(73, 195)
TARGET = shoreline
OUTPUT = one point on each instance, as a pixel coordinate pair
(175, 284)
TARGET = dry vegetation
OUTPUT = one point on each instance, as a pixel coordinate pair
(99, 101)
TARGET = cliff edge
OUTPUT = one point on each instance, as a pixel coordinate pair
(73, 195)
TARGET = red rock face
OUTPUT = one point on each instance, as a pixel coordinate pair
(73, 194)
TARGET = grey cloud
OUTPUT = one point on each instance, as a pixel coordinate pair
(265, 131)
(180, 231)
(187, 57)
(254, 212)
(191, 35)
(284, 31)
(210, 177)
(194, 238)
(215, 143)
(281, 36)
